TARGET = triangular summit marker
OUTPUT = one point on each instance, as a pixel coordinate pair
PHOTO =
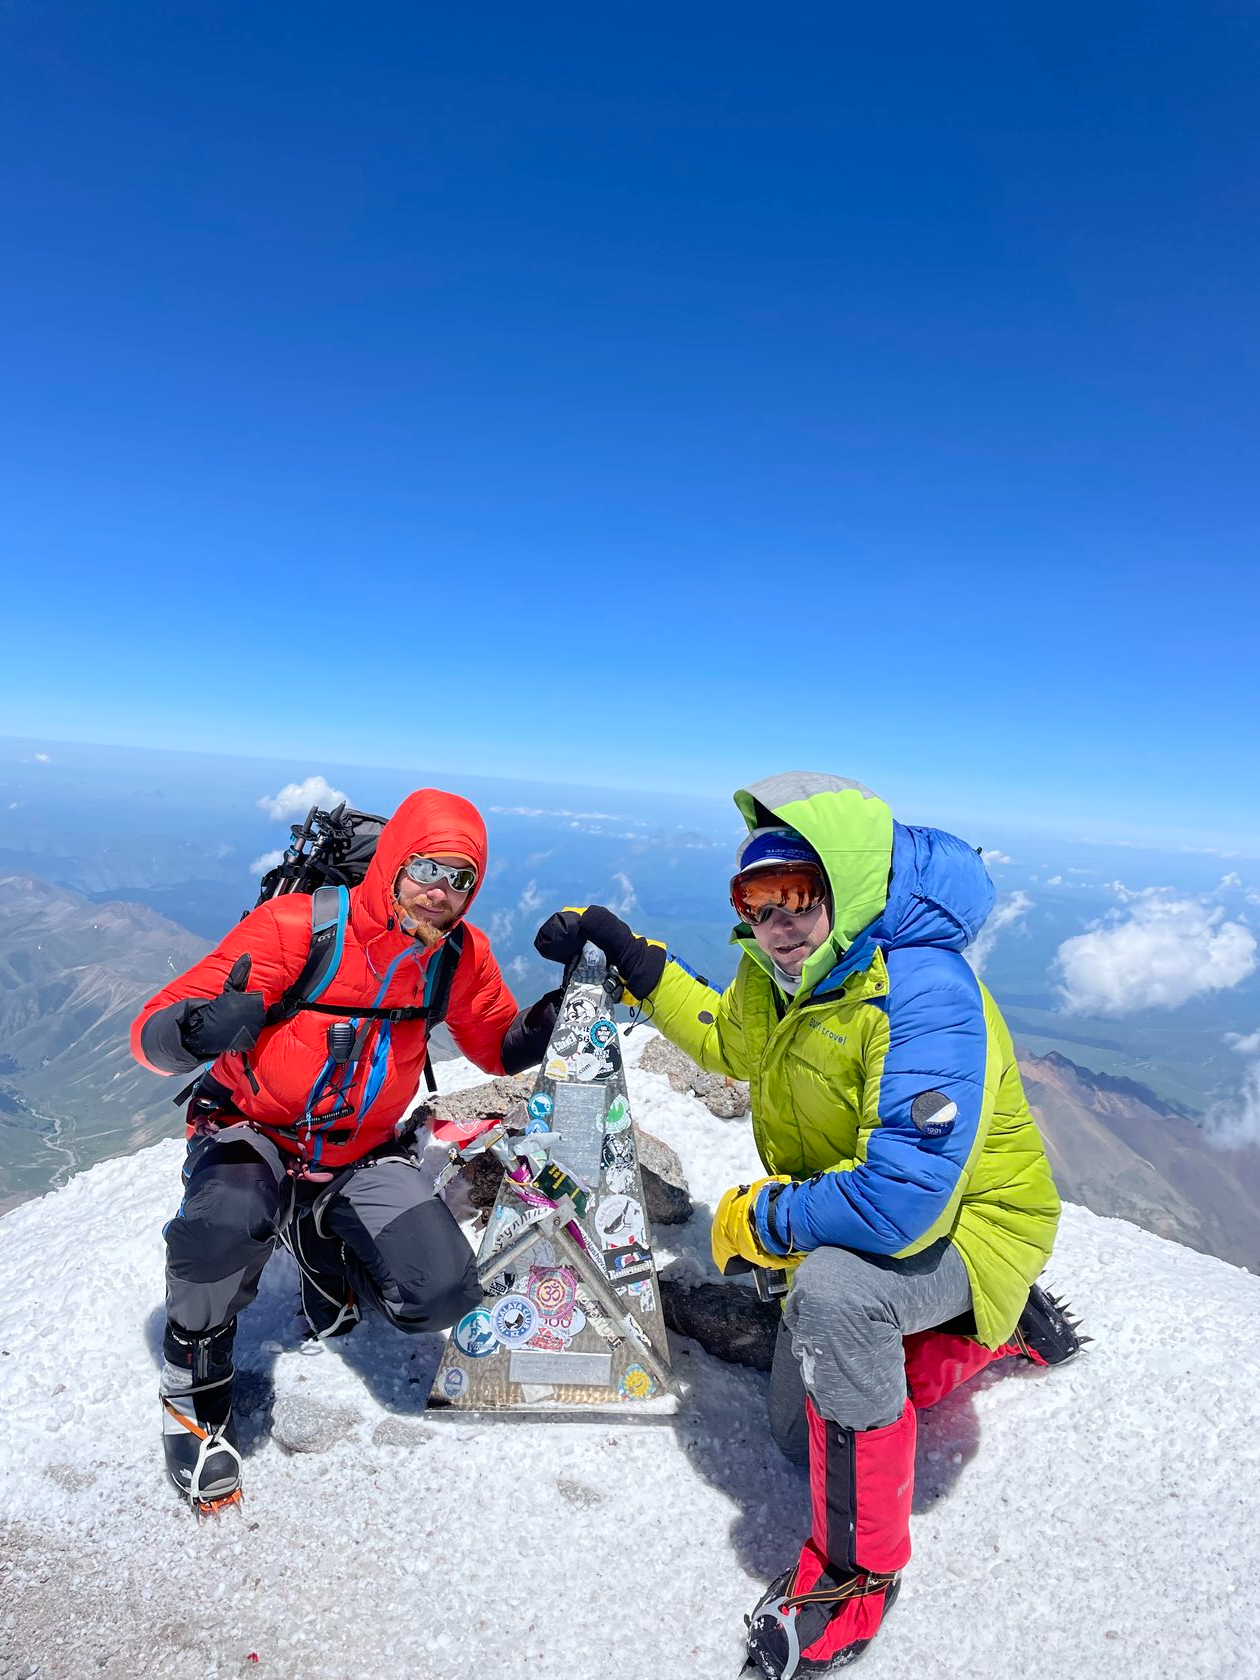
(570, 1319)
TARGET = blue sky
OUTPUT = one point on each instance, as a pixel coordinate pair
(646, 399)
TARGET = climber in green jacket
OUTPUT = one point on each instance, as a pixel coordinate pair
(907, 1188)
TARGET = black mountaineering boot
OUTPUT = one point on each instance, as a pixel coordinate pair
(197, 1431)
(1047, 1333)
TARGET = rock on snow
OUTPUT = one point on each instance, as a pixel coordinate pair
(1099, 1520)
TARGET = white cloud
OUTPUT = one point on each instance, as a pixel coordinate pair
(1235, 1123)
(518, 968)
(501, 924)
(1244, 1044)
(296, 798)
(42, 758)
(1055, 881)
(623, 902)
(16, 804)
(995, 856)
(1233, 879)
(1006, 914)
(530, 900)
(267, 861)
(534, 811)
(1158, 954)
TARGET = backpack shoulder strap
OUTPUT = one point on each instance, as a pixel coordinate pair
(330, 907)
(437, 993)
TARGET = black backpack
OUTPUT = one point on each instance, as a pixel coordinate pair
(326, 855)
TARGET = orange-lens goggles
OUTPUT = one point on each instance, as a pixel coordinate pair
(795, 888)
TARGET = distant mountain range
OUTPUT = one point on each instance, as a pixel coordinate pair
(1117, 1148)
(72, 975)
(74, 971)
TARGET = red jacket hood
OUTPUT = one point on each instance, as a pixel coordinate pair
(427, 822)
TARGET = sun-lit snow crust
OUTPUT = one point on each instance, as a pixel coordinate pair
(1095, 1521)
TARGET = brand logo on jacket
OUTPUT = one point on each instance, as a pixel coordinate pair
(835, 1037)
(933, 1113)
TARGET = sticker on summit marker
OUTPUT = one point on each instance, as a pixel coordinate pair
(552, 1292)
(637, 1384)
(602, 1033)
(619, 1221)
(454, 1382)
(618, 1116)
(539, 1106)
(513, 1320)
(474, 1334)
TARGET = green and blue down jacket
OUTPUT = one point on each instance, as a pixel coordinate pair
(886, 1087)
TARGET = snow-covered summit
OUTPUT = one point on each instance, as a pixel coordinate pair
(1098, 1520)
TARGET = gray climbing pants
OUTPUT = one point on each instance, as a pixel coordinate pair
(376, 1233)
(840, 1339)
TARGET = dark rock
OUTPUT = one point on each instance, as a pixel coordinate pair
(727, 1320)
(664, 1183)
(725, 1098)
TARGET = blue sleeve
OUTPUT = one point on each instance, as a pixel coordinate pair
(922, 1113)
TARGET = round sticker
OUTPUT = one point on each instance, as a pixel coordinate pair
(514, 1320)
(539, 1106)
(454, 1382)
(619, 1221)
(553, 1293)
(637, 1384)
(474, 1334)
(618, 1116)
(603, 1032)
(567, 1325)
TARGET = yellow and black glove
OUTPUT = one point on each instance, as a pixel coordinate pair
(734, 1236)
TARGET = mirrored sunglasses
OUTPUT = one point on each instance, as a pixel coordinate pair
(796, 888)
(462, 877)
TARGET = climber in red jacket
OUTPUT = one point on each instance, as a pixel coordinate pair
(293, 1126)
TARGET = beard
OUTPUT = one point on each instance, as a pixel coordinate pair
(419, 927)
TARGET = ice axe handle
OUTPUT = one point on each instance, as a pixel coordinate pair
(771, 1281)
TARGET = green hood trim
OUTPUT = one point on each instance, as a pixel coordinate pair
(852, 832)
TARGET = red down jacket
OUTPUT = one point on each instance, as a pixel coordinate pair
(289, 1056)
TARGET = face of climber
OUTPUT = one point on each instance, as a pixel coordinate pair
(428, 907)
(791, 940)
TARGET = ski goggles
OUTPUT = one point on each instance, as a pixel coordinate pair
(795, 888)
(461, 877)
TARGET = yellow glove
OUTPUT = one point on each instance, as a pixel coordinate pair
(732, 1236)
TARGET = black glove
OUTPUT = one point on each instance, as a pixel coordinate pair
(525, 1042)
(212, 1026)
(562, 936)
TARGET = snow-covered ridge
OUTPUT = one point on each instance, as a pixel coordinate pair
(1098, 1520)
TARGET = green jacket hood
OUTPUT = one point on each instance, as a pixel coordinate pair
(891, 886)
(852, 832)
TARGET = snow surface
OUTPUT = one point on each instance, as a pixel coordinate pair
(1098, 1520)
